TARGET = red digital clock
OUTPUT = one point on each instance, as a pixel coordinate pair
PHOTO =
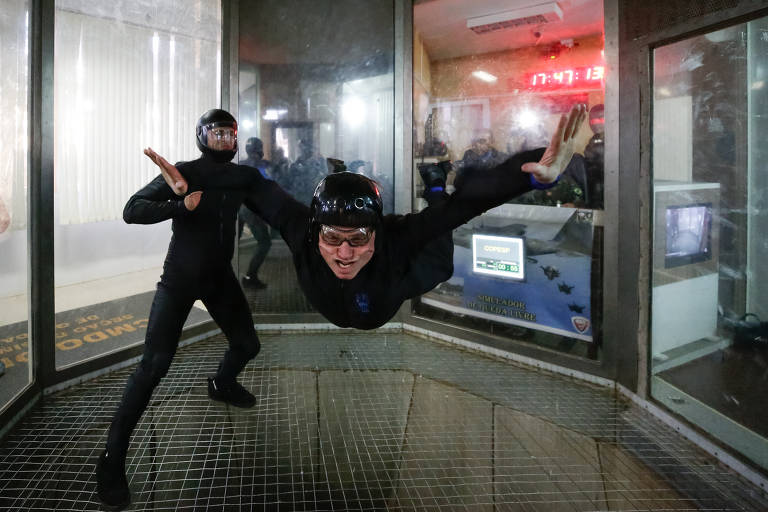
(567, 78)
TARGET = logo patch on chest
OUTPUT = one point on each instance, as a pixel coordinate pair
(362, 303)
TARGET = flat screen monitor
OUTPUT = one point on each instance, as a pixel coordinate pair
(499, 256)
(689, 234)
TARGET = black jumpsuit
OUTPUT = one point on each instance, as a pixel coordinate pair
(197, 266)
(413, 253)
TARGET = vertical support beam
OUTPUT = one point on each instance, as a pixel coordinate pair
(403, 132)
(403, 144)
(613, 327)
(229, 76)
(40, 271)
(631, 194)
(230, 32)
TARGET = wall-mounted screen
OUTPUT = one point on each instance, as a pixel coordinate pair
(689, 234)
(499, 256)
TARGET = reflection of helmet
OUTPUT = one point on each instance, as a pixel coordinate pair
(212, 119)
(595, 149)
(345, 199)
(597, 118)
(254, 145)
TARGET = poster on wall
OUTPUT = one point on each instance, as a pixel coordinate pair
(523, 265)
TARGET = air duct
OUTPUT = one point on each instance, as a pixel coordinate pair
(532, 15)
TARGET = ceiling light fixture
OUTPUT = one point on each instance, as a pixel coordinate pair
(484, 76)
(546, 12)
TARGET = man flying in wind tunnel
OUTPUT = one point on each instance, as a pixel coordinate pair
(357, 266)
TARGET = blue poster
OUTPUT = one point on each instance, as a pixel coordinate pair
(551, 293)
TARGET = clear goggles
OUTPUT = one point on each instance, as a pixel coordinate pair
(355, 237)
(220, 133)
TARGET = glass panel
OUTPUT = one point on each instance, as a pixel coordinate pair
(147, 87)
(305, 96)
(15, 368)
(709, 316)
(487, 87)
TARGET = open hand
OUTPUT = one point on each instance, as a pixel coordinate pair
(170, 173)
(560, 150)
(192, 200)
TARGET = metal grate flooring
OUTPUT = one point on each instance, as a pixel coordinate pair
(349, 421)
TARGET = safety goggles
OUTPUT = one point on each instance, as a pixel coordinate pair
(355, 237)
(223, 133)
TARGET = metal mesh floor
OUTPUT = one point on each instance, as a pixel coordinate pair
(366, 422)
(282, 294)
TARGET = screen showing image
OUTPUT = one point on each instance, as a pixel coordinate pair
(688, 234)
(499, 256)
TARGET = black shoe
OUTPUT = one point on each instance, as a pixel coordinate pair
(111, 484)
(253, 282)
(230, 392)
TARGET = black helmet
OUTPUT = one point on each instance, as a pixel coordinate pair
(254, 145)
(345, 199)
(212, 119)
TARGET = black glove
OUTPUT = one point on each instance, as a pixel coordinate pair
(434, 175)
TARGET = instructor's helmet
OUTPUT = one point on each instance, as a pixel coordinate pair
(215, 118)
(345, 199)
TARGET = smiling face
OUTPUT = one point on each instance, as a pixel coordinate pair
(345, 260)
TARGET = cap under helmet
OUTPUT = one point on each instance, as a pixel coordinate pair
(215, 118)
(345, 199)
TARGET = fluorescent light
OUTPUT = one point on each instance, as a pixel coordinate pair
(532, 15)
(527, 119)
(484, 76)
(353, 111)
(273, 114)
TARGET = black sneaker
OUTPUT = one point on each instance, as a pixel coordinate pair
(253, 282)
(230, 392)
(111, 484)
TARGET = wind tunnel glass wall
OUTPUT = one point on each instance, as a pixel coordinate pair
(485, 87)
(316, 82)
(127, 76)
(15, 371)
(710, 282)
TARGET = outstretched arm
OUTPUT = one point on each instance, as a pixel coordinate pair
(481, 190)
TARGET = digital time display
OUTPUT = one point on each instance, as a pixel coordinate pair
(565, 78)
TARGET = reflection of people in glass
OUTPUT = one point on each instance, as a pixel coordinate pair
(308, 168)
(280, 167)
(197, 266)
(5, 217)
(594, 155)
(254, 148)
(357, 266)
(482, 154)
